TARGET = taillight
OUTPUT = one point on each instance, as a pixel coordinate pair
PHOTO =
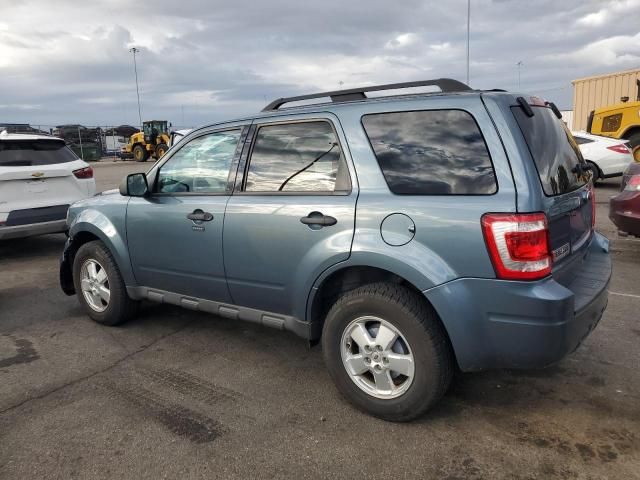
(633, 185)
(83, 173)
(518, 245)
(621, 148)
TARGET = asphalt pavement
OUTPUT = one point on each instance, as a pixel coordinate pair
(181, 394)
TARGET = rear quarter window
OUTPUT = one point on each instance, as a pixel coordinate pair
(431, 152)
(554, 151)
(27, 153)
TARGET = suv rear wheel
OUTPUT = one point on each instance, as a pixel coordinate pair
(100, 287)
(387, 352)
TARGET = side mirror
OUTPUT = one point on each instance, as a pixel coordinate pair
(135, 185)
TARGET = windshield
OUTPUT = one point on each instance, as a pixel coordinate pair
(554, 151)
(25, 153)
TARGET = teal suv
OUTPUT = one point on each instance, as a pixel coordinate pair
(412, 235)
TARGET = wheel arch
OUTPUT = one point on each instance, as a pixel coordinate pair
(635, 129)
(349, 277)
(93, 225)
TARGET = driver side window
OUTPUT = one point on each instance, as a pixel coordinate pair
(200, 166)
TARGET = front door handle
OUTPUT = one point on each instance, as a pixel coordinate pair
(317, 218)
(199, 216)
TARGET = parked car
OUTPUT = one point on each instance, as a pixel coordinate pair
(608, 157)
(624, 208)
(411, 235)
(39, 178)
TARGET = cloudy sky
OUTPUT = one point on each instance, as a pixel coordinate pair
(67, 61)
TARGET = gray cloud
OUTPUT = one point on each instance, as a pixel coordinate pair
(202, 61)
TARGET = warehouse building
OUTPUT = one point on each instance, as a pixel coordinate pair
(600, 91)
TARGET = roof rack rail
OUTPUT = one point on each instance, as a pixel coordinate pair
(445, 85)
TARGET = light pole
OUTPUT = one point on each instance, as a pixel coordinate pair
(519, 64)
(468, 30)
(135, 50)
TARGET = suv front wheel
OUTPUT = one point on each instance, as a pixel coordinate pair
(387, 352)
(99, 285)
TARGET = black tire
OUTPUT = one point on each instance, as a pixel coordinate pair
(120, 307)
(161, 149)
(634, 142)
(140, 154)
(597, 174)
(419, 325)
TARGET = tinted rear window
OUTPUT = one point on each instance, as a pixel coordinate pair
(297, 157)
(431, 152)
(553, 149)
(25, 153)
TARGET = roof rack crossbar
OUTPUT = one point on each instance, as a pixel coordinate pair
(445, 85)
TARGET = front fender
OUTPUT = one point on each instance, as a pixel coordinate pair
(111, 233)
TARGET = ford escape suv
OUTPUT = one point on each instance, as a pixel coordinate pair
(410, 234)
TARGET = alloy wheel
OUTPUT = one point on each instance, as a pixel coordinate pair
(94, 283)
(377, 357)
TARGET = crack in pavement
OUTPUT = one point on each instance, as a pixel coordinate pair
(91, 375)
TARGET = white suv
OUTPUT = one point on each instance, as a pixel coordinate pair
(39, 178)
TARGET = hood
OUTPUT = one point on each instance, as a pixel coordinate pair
(100, 200)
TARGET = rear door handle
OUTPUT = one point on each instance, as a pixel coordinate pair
(317, 218)
(199, 216)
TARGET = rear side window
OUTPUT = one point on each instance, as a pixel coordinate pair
(553, 149)
(27, 153)
(297, 157)
(431, 152)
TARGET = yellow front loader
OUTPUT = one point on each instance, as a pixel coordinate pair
(152, 141)
(621, 120)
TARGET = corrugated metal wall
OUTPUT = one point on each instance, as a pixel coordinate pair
(594, 92)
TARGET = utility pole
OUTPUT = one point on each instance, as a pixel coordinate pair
(468, 31)
(135, 50)
(519, 64)
(80, 139)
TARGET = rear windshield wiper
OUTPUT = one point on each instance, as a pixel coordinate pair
(525, 106)
(554, 109)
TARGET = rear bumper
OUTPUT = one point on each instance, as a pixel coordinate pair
(507, 324)
(624, 212)
(31, 229)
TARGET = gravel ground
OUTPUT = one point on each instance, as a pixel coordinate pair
(179, 394)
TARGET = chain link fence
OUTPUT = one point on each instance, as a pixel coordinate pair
(89, 142)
